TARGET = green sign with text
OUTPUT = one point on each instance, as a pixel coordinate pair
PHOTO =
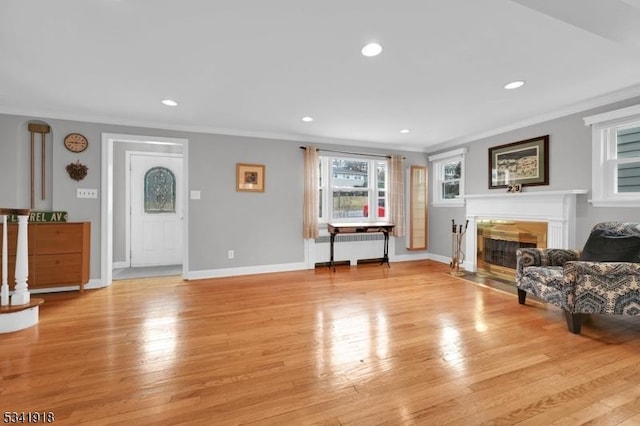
(37, 216)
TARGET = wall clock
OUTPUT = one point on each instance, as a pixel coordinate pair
(75, 142)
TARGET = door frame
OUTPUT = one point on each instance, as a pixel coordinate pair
(127, 202)
(106, 225)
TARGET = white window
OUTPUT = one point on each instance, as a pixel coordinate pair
(616, 158)
(353, 189)
(448, 178)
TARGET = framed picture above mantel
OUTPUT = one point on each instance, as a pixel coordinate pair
(524, 163)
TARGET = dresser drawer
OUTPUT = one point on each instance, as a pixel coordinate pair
(57, 269)
(51, 238)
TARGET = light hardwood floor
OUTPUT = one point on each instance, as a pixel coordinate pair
(365, 345)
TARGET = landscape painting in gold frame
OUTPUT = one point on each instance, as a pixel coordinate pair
(250, 177)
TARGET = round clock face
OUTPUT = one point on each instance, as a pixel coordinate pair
(75, 142)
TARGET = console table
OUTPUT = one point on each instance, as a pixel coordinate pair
(355, 228)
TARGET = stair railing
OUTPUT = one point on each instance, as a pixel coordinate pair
(21, 295)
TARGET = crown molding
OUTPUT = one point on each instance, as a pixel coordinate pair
(616, 114)
(594, 102)
(591, 103)
(117, 121)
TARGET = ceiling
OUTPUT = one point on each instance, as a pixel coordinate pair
(255, 67)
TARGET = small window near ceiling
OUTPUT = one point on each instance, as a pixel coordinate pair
(159, 191)
(448, 178)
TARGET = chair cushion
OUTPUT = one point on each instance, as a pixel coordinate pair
(605, 246)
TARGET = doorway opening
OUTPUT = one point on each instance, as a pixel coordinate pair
(144, 207)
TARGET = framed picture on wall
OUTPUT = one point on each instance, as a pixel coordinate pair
(250, 177)
(524, 163)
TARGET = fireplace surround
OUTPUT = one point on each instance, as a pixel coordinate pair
(555, 209)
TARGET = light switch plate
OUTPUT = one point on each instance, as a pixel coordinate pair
(87, 193)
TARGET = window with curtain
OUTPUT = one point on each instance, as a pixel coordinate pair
(353, 189)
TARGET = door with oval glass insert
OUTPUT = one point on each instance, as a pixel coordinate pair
(156, 210)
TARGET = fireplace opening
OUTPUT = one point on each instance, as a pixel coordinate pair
(498, 241)
(502, 253)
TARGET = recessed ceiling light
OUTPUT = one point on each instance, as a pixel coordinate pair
(169, 102)
(405, 131)
(307, 119)
(372, 49)
(514, 84)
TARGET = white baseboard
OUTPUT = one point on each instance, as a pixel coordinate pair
(121, 265)
(246, 270)
(286, 267)
(95, 283)
(410, 257)
(439, 258)
(92, 284)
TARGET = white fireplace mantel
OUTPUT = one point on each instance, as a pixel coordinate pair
(556, 208)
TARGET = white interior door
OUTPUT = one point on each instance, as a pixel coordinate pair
(156, 210)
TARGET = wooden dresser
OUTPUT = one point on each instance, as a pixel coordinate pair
(59, 254)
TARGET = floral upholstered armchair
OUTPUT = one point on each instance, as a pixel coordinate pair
(603, 278)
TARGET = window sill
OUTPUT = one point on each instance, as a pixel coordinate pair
(456, 203)
(615, 203)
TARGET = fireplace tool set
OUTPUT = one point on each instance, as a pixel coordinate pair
(457, 255)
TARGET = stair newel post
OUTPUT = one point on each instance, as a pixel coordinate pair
(4, 289)
(21, 294)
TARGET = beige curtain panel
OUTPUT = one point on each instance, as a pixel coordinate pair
(396, 194)
(311, 193)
